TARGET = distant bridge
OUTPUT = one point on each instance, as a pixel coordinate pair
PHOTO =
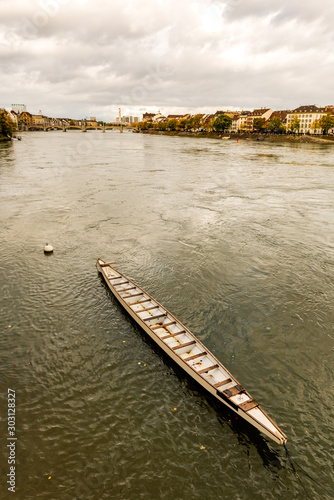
(47, 128)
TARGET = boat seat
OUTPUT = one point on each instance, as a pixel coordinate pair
(233, 391)
(184, 345)
(138, 302)
(173, 335)
(206, 370)
(124, 289)
(248, 405)
(144, 309)
(121, 283)
(163, 325)
(169, 324)
(134, 295)
(223, 382)
(158, 316)
(198, 355)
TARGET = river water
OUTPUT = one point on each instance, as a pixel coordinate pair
(237, 241)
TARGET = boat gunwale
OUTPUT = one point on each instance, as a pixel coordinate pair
(220, 394)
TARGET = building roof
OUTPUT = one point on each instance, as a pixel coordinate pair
(259, 112)
(159, 118)
(228, 113)
(148, 115)
(329, 109)
(207, 118)
(280, 114)
(309, 109)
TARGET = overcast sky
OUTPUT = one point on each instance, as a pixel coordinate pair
(80, 58)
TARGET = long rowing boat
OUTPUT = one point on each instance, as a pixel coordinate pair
(187, 351)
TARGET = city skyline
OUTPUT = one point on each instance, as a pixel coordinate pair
(193, 57)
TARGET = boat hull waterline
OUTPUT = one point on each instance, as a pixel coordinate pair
(187, 351)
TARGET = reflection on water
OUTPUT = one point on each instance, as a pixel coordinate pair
(237, 241)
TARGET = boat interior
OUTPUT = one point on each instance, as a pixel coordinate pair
(180, 340)
(187, 347)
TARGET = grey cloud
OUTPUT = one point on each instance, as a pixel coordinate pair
(302, 10)
(104, 53)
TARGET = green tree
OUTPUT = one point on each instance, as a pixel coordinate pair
(259, 123)
(196, 121)
(145, 124)
(6, 124)
(326, 123)
(275, 125)
(315, 125)
(181, 124)
(172, 124)
(295, 124)
(189, 123)
(209, 125)
(221, 123)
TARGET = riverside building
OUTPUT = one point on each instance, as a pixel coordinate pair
(307, 115)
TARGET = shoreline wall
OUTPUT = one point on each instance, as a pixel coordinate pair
(247, 136)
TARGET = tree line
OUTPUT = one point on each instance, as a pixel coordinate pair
(6, 124)
(223, 123)
(193, 123)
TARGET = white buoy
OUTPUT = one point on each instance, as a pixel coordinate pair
(48, 248)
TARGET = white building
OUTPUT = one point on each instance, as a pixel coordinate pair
(158, 118)
(306, 115)
(234, 124)
(240, 122)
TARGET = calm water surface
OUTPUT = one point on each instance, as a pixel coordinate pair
(237, 240)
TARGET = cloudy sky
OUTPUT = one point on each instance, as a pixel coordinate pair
(83, 58)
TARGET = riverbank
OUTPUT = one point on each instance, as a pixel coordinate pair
(248, 136)
(4, 138)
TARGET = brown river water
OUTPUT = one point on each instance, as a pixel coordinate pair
(237, 241)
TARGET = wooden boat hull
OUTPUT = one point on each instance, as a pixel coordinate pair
(196, 357)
